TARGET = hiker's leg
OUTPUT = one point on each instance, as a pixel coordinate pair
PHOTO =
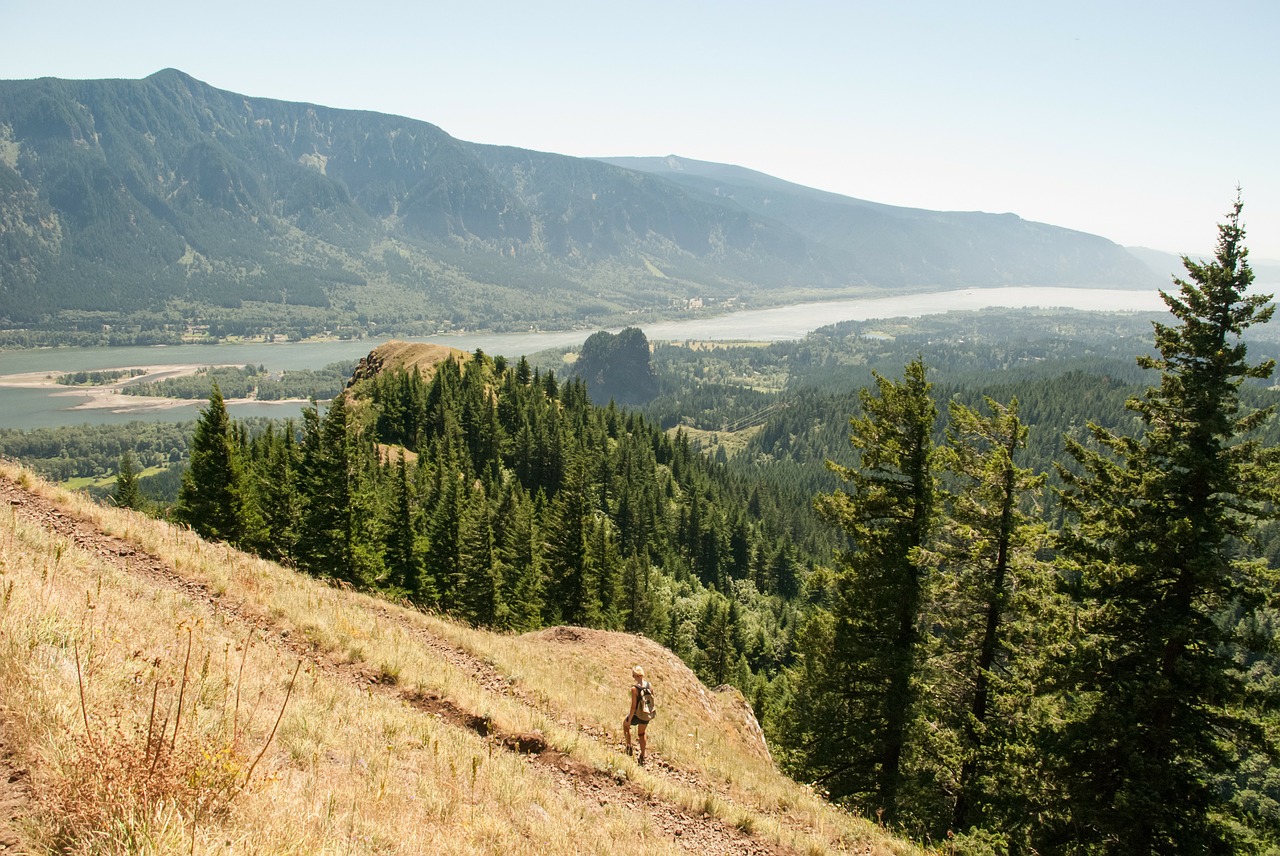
(640, 736)
(626, 730)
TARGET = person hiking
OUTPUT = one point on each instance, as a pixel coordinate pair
(638, 713)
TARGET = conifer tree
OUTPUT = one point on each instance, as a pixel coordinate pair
(211, 500)
(854, 696)
(991, 606)
(338, 537)
(311, 487)
(739, 562)
(717, 643)
(478, 585)
(251, 517)
(276, 469)
(779, 574)
(636, 593)
(518, 562)
(370, 493)
(1157, 694)
(442, 560)
(573, 595)
(404, 559)
(602, 556)
(479, 419)
(127, 493)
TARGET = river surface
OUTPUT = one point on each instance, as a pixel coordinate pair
(28, 408)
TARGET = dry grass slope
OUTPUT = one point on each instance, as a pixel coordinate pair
(159, 694)
(405, 356)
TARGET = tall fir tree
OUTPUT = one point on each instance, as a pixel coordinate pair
(211, 500)
(991, 607)
(855, 697)
(717, 642)
(518, 562)
(477, 582)
(637, 594)
(403, 556)
(602, 556)
(442, 559)
(1157, 697)
(339, 537)
(277, 492)
(573, 595)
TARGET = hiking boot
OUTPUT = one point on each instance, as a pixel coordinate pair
(629, 753)
(640, 761)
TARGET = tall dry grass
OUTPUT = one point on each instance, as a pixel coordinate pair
(165, 739)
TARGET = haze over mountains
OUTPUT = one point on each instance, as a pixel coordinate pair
(163, 197)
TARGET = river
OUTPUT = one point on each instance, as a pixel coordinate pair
(35, 407)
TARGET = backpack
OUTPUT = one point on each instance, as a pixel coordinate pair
(647, 708)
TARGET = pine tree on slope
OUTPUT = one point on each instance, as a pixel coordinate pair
(212, 497)
(855, 696)
(1157, 700)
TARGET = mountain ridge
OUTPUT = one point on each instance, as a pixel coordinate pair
(846, 226)
(166, 200)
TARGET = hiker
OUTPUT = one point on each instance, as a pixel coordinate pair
(636, 712)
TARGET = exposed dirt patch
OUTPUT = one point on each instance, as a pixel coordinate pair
(440, 706)
(697, 833)
(565, 634)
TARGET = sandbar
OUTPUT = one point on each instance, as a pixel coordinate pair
(108, 396)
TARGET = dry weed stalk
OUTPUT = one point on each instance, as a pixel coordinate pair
(235, 717)
(116, 779)
(272, 735)
(84, 708)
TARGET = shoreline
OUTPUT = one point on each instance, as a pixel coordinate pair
(110, 396)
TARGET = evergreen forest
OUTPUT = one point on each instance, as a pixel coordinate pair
(1006, 581)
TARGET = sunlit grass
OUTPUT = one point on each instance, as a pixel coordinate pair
(84, 482)
(350, 767)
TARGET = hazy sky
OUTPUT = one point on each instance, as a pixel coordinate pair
(1131, 120)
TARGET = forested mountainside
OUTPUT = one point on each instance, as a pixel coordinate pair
(165, 206)
(502, 496)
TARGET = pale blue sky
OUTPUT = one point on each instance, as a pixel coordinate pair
(1132, 120)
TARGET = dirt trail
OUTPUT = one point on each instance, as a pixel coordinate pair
(697, 833)
(488, 677)
(13, 795)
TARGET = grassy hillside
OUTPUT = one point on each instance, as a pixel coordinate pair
(162, 694)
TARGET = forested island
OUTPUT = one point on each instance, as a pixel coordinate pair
(982, 575)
